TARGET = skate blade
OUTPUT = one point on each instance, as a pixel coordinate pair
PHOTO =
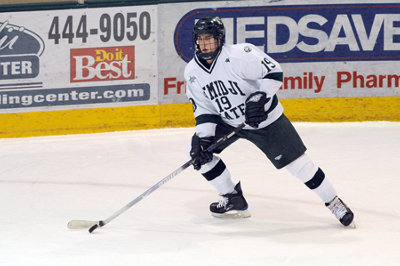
(234, 214)
(352, 225)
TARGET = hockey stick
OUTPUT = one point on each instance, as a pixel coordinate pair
(92, 225)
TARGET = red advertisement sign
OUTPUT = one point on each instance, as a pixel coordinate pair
(102, 64)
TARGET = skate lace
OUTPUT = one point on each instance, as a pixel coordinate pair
(223, 202)
(338, 209)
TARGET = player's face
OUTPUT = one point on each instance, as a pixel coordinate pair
(207, 43)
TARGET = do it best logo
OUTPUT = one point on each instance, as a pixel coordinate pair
(103, 64)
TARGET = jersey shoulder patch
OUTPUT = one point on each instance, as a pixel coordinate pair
(242, 50)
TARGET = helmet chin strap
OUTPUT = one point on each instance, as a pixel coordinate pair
(209, 56)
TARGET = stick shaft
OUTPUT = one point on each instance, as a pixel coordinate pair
(148, 192)
(168, 177)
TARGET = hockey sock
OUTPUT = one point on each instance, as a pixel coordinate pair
(313, 177)
(218, 175)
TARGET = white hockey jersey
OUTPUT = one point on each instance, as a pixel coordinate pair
(219, 91)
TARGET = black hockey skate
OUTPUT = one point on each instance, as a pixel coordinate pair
(231, 205)
(342, 212)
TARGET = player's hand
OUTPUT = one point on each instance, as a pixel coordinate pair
(255, 111)
(199, 152)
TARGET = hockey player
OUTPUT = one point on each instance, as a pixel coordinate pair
(231, 84)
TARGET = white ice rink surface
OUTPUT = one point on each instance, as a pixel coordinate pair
(47, 181)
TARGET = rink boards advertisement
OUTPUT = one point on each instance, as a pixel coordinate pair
(332, 50)
(77, 58)
(121, 68)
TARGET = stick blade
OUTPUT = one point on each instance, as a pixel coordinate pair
(81, 224)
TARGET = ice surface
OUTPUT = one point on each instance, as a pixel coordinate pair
(47, 181)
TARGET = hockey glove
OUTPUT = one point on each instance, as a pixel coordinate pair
(199, 152)
(255, 112)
